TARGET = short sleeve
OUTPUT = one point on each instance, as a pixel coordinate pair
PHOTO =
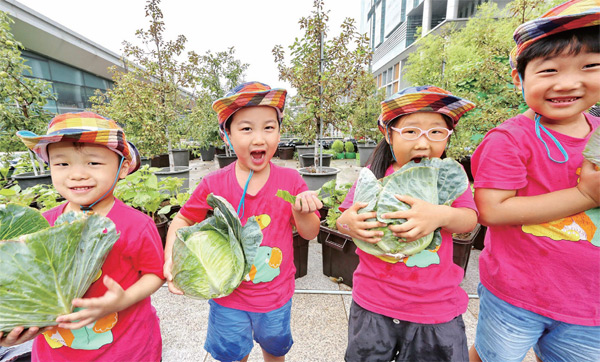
(500, 162)
(150, 258)
(196, 207)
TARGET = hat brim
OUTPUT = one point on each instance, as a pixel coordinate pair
(39, 143)
(226, 106)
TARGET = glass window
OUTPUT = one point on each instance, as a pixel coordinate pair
(69, 96)
(378, 24)
(93, 81)
(390, 75)
(39, 68)
(392, 15)
(51, 106)
(64, 73)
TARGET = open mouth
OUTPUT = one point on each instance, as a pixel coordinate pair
(258, 156)
(417, 159)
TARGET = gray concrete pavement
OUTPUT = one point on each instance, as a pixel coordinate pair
(319, 321)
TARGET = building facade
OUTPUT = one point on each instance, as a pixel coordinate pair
(392, 24)
(75, 66)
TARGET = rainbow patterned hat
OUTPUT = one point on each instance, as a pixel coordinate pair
(571, 15)
(426, 98)
(85, 127)
(248, 95)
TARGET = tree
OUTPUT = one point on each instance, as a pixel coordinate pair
(151, 98)
(472, 62)
(324, 72)
(22, 99)
(365, 108)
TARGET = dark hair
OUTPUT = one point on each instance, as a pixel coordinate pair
(573, 42)
(382, 158)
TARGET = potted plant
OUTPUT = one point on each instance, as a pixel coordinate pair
(338, 148)
(29, 171)
(22, 101)
(323, 72)
(339, 251)
(349, 148)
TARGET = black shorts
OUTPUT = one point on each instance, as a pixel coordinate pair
(374, 337)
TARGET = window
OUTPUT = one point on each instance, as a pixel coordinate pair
(39, 67)
(68, 96)
(93, 81)
(63, 73)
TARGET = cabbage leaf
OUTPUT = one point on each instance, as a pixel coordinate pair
(592, 150)
(433, 180)
(211, 259)
(43, 271)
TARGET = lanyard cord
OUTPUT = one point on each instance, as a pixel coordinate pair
(539, 126)
(242, 201)
(85, 209)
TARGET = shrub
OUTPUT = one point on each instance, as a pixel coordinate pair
(338, 146)
(349, 146)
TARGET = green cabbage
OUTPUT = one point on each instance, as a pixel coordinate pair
(592, 150)
(42, 268)
(211, 259)
(434, 180)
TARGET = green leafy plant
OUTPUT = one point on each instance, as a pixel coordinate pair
(434, 180)
(141, 191)
(337, 146)
(349, 146)
(332, 197)
(42, 268)
(211, 259)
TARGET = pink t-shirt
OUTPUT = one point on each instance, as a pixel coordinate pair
(272, 275)
(552, 269)
(132, 334)
(423, 288)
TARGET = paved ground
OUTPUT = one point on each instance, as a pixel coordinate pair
(320, 306)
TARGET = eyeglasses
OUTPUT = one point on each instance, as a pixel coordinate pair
(435, 134)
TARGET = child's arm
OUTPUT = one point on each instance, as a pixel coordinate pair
(423, 218)
(20, 335)
(178, 222)
(503, 207)
(114, 300)
(353, 224)
(307, 222)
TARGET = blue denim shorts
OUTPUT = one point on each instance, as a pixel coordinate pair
(506, 332)
(230, 332)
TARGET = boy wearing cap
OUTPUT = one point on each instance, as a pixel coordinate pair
(539, 270)
(114, 321)
(249, 120)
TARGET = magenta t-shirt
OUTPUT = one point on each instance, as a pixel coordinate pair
(423, 288)
(132, 334)
(272, 275)
(553, 268)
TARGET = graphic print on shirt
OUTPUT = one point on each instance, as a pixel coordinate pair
(90, 337)
(422, 259)
(578, 227)
(267, 261)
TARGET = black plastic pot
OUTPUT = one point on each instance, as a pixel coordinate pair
(162, 224)
(365, 151)
(161, 160)
(208, 154)
(314, 180)
(461, 247)
(300, 255)
(225, 160)
(286, 153)
(308, 159)
(339, 255)
(29, 179)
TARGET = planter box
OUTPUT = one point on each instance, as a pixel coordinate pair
(479, 239)
(161, 160)
(339, 255)
(350, 155)
(286, 153)
(365, 151)
(29, 179)
(314, 180)
(308, 159)
(461, 245)
(300, 255)
(340, 156)
(225, 160)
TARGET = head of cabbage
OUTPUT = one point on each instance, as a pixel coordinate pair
(212, 258)
(437, 181)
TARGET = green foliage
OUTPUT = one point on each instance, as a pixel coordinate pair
(337, 146)
(349, 146)
(44, 197)
(332, 197)
(472, 62)
(365, 109)
(322, 85)
(21, 98)
(42, 268)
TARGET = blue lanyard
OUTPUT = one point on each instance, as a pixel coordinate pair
(539, 126)
(242, 201)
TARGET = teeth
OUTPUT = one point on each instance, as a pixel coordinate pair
(563, 100)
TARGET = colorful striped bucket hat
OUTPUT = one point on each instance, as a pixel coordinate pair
(571, 15)
(85, 127)
(426, 98)
(247, 95)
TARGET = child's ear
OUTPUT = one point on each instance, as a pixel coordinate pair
(124, 169)
(516, 80)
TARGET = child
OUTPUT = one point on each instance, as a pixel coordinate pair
(114, 321)
(540, 268)
(401, 312)
(249, 118)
